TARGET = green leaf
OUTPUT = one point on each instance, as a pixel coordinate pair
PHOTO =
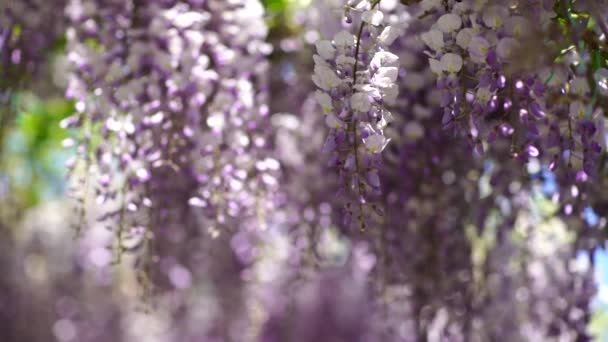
(275, 5)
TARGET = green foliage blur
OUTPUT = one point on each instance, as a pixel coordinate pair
(599, 324)
(276, 6)
(33, 158)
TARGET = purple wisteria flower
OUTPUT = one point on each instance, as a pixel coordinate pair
(356, 75)
(178, 92)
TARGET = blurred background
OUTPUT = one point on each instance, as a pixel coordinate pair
(34, 149)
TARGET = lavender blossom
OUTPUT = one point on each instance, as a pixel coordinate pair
(178, 92)
(356, 77)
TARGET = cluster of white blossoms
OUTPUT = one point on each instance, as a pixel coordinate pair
(356, 76)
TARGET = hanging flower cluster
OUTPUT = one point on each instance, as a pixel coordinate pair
(356, 76)
(178, 92)
(496, 105)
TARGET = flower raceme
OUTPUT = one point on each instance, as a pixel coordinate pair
(497, 106)
(356, 77)
(177, 90)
